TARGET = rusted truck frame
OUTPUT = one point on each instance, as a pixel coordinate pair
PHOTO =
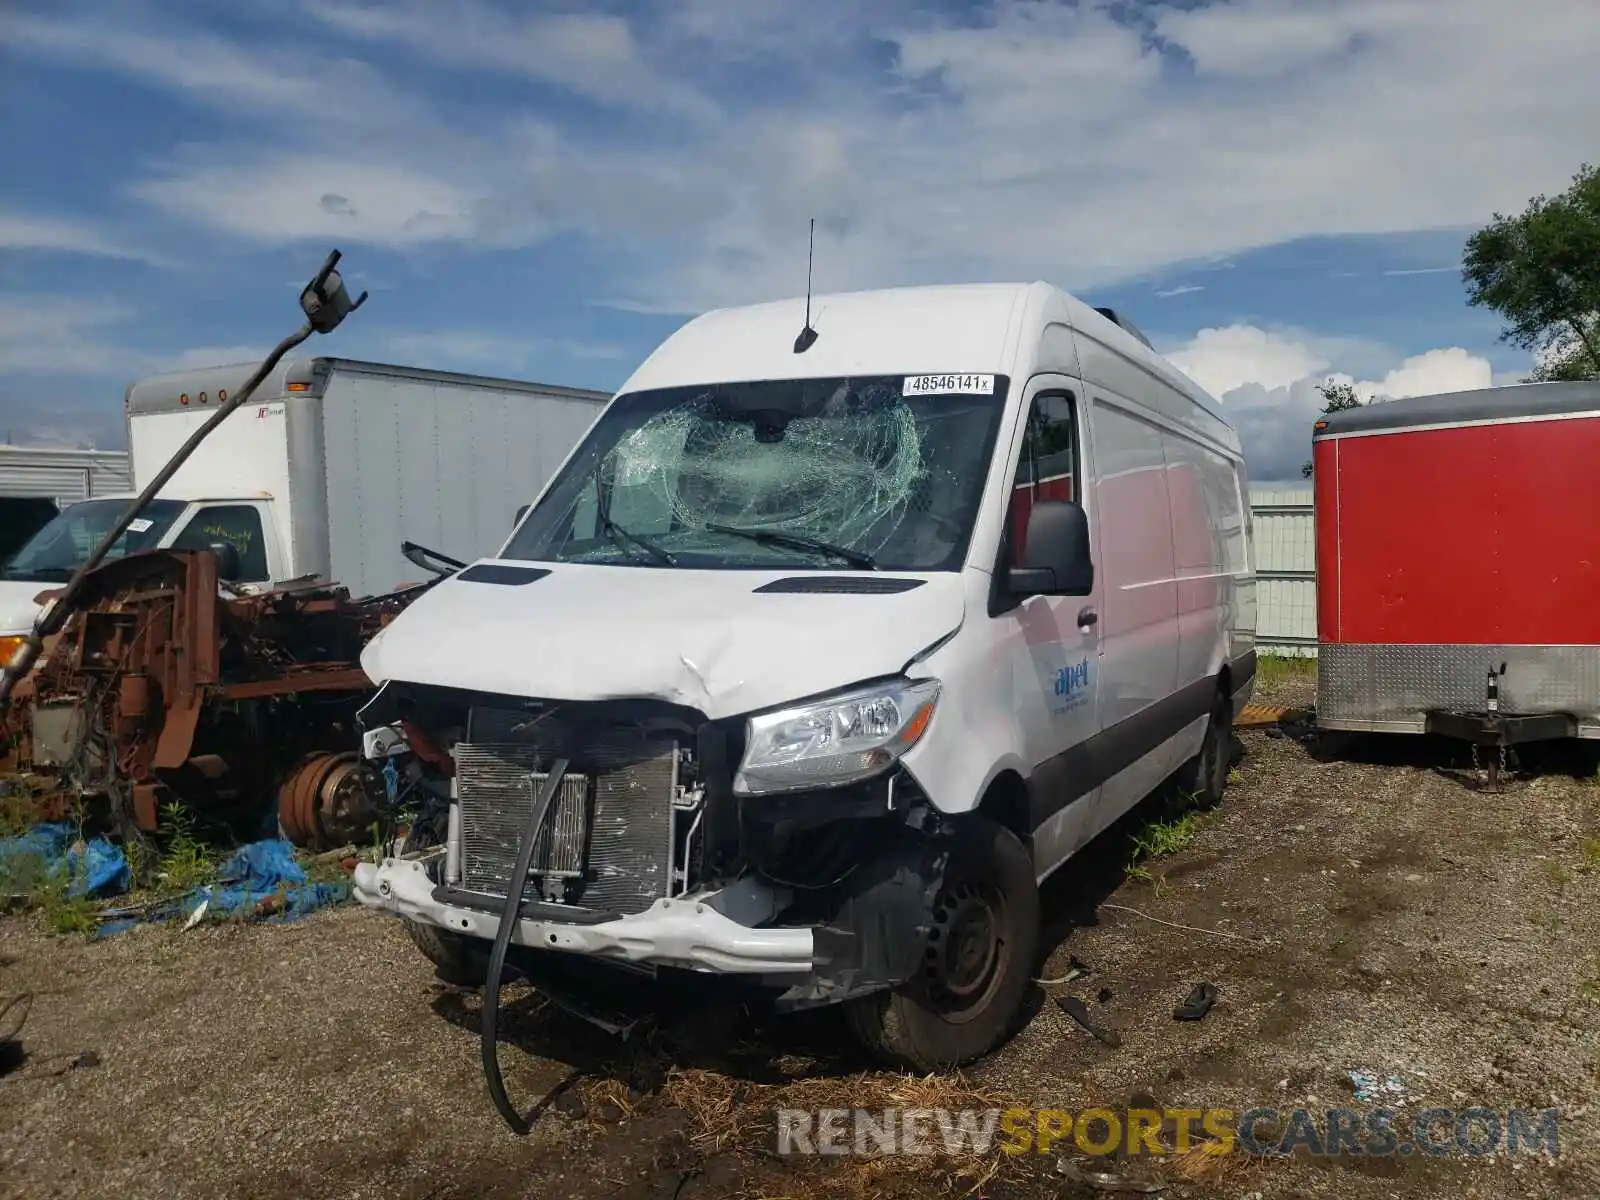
(159, 689)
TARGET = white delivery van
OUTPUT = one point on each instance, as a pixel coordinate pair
(330, 468)
(835, 651)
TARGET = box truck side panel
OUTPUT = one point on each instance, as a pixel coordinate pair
(516, 440)
(305, 507)
(433, 461)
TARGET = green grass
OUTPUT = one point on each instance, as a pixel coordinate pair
(17, 813)
(49, 893)
(1278, 668)
(185, 863)
(1162, 839)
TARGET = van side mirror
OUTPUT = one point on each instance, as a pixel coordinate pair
(1055, 559)
(228, 565)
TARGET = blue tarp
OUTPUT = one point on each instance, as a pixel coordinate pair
(99, 869)
(263, 873)
(262, 877)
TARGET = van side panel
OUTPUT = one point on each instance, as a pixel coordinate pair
(1111, 357)
(1210, 556)
(1139, 633)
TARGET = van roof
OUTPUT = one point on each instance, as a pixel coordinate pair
(971, 328)
(1506, 403)
(957, 329)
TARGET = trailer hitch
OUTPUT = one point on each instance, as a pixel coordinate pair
(325, 303)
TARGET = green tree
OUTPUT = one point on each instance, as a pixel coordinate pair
(1338, 397)
(1541, 272)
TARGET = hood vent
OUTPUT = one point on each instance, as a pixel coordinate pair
(500, 573)
(841, 585)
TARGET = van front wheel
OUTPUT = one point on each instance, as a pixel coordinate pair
(975, 964)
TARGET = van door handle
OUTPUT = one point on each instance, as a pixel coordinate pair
(1087, 617)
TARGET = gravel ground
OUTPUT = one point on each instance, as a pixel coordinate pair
(1386, 915)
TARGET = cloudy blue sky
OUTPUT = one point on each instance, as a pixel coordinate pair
(1276, 190)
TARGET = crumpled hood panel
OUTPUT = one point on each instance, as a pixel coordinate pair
(705, 639)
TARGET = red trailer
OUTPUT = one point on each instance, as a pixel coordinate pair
(1458, 565)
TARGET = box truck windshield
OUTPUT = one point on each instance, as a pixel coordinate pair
(882, 471)
(61, 546)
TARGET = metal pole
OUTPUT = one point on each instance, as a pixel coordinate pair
(324, 311)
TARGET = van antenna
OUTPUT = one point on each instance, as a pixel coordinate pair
(808, 335)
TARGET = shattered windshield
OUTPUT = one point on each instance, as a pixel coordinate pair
(843, 473)
(60, 547)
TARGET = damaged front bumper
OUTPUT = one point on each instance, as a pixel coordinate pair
(685, 933)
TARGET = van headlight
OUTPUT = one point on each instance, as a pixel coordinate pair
(853, 735)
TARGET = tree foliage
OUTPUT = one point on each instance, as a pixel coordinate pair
(1337, 397)
(1540, 271)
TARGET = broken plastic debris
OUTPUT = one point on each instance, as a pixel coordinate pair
(1105, 1181)
(198, 914)
(1079, 1012)
(1075, 970)
(1369, 1087)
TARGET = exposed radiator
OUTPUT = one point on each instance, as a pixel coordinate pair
(618, 791)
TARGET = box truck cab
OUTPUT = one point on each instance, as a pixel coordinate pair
(817, 656)
(239, 529)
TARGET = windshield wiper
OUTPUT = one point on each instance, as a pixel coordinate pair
(619, 535)
(799, 541)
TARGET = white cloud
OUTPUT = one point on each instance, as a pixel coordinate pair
(28, 231)
(1026, 140)
(1221, 360)
(207, 356)
(317, 197)
(1448, 370)
(218, 73)
(1268, 382)
(594, 55)
(47, 333)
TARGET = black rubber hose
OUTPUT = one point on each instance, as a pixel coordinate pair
(510, 914)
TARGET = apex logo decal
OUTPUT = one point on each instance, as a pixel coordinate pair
(1071, 685)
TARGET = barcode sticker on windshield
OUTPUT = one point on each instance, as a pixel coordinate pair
(139, 525)
(937, 385)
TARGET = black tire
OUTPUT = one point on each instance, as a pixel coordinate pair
(940, 1019)
(1204, 777)
(456, 959)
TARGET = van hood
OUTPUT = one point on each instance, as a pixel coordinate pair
(714, 641)
(17, 607)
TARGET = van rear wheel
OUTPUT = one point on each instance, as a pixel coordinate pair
(1205, 776)
(975, 965)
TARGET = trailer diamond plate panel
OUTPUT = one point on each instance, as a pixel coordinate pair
(1391, 688)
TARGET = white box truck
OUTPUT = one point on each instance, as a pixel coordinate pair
(329, 469)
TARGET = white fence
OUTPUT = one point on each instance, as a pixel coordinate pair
(1286, 571)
